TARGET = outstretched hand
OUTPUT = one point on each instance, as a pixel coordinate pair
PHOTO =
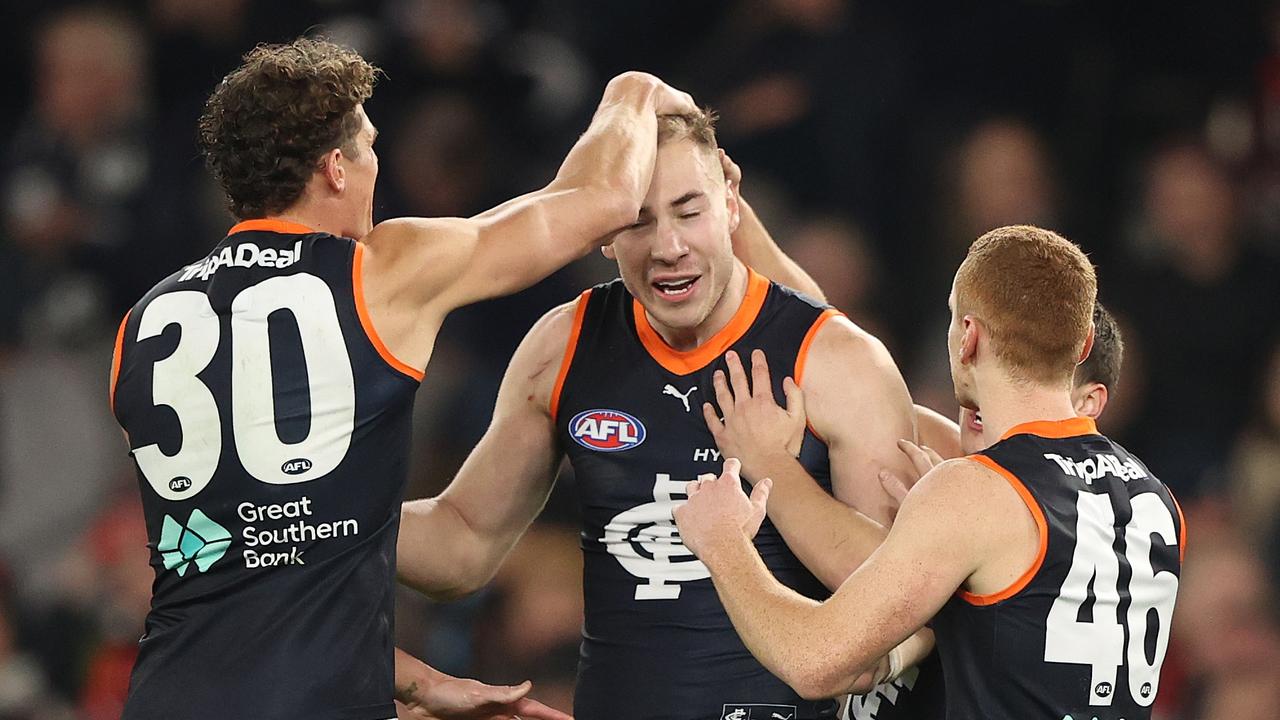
(755, 428)
(466, 699)
(717, 508)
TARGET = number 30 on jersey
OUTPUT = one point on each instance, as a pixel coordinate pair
(176, 383)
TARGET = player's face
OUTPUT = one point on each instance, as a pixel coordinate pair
(961, 372)
(361, 176)
(677, 258)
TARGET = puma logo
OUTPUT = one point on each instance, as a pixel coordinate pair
(684, 397)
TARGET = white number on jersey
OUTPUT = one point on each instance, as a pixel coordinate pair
(175, 383)
(1100, 642)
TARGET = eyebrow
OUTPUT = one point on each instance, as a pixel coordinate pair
(685, 198)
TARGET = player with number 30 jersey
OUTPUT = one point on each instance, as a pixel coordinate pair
(266, 391)
(270, 494)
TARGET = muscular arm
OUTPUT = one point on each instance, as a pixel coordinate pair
(416, 270)
(452, 544)
(963, 526)
(858, 403)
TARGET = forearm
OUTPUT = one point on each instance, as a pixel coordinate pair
(616, 153)
(785, 631)
(753, 244)
(831, 538)
(413, 675)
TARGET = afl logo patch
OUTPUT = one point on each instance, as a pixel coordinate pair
(296, 466)
(606, 430)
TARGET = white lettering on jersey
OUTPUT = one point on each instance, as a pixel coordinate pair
(1092, 468)
(245, 255)
(706, 455)
(647, 544)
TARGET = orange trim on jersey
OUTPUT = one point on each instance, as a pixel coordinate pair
(1071, 427)
(284, 227)
(1042, 527)
(579, 313)
(683, 362)
(803, 355)
(115, 361)
(357, 290)
(1182, 529)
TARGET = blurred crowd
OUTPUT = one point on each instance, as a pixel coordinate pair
(877, 141)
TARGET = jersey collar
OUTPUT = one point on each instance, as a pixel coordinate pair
(1071, 427)
(283, 227)
(688, 361)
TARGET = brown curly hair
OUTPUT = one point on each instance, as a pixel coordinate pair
(268, 123)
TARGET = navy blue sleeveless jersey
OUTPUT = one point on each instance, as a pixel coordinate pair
(1083, 633)
(657, 643)
(270, 429)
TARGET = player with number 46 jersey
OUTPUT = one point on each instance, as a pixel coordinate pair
(1047, 564)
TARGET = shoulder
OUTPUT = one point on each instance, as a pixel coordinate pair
(542, 361)
(407, 235)
(972, 490)
(552, 333)
(838, 350)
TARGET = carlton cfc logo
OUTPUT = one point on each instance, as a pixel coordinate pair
(606, 430)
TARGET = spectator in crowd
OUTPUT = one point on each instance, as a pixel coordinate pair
(1199, 299)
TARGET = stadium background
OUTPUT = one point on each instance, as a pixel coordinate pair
(877, 139)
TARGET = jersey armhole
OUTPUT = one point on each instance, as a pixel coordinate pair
(357, 293)
(1182, 529)
(579, 313)
(802, 356)
(1042, 527)
(117, 356)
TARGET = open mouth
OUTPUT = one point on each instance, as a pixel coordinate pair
(675, 288)
(975, 422)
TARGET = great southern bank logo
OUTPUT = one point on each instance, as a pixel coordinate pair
(201, 541)
(606, 430)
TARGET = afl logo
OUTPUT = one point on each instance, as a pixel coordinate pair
(296, 466)
(606, 430)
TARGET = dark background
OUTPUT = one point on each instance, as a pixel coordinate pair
(877, 141)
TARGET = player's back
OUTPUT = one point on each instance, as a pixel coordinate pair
(1084, 632)
(270, 428)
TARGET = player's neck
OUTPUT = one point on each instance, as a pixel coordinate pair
(320, 217)
(685, 339)
(1007, 404)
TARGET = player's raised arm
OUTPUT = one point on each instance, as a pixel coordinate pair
(416, 270)
(962, 526)
(753, 244)
(452, 544)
